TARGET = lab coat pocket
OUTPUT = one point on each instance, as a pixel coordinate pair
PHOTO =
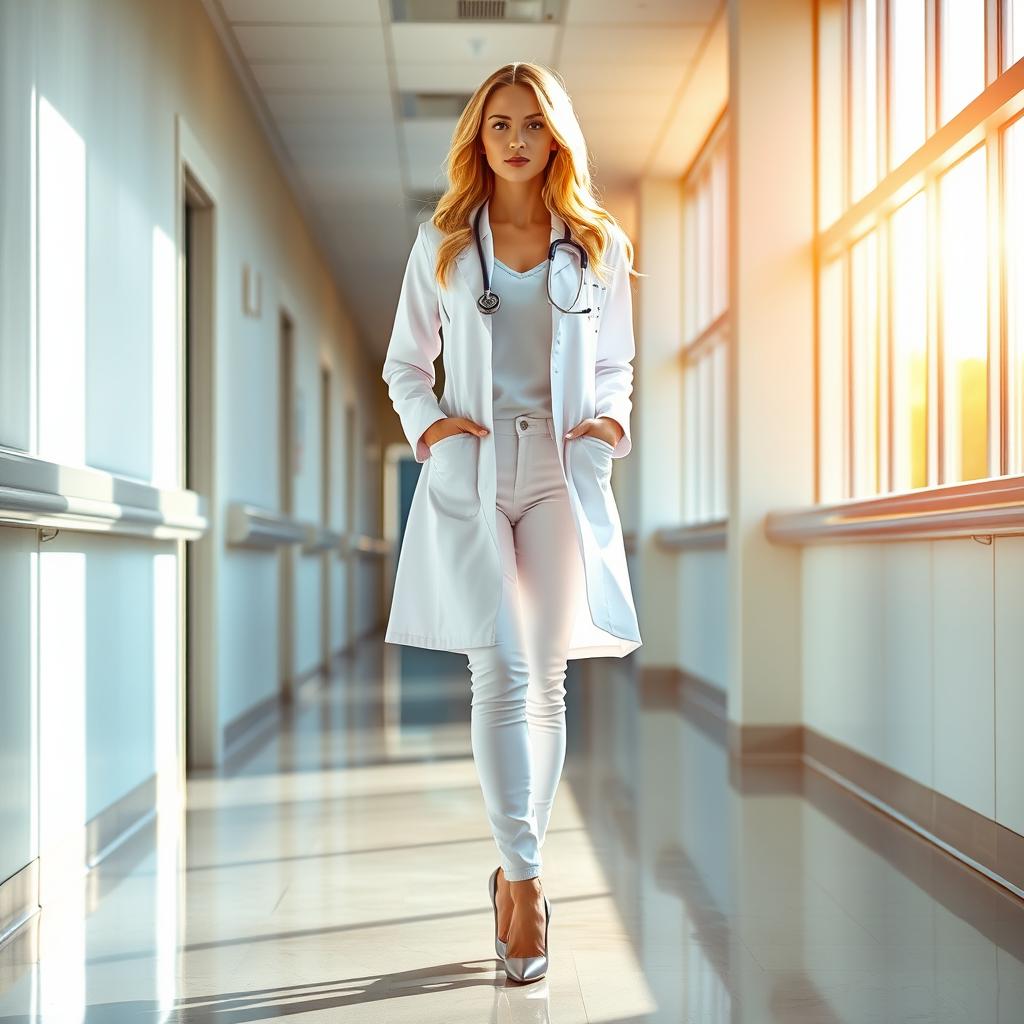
(592, 475)
(452, 483)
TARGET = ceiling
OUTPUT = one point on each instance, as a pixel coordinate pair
(360, 98)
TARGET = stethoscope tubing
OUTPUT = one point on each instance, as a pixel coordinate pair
(490, 301)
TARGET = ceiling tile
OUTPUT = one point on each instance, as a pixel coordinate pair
(311, 43)
(448, 76)
(639, 12)
(320, 76)
(349, 12)
(493, 44)
(631, 44)
(591, 76)
(335, 106)
(625, 107)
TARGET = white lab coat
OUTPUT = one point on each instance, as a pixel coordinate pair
(448, 581)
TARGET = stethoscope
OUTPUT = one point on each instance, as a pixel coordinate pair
(490, 301)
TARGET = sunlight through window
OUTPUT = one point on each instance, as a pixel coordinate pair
(908, 80)
(909, 344)
(962, 50)
(1013, 239)
(165, 363)
(62, 767)
(1013, 38)
(964, 319)
(864, 344)
(62, 227)
(864, 97)
(165, 732)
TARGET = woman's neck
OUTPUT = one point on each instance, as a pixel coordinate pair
(518, 204)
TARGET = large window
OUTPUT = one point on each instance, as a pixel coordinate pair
(705, 330)
(920, 244)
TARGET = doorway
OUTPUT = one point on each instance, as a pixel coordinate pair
(198, 735)
(286, 500)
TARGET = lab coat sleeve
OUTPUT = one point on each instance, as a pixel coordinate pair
(615, 350)
(415, 344)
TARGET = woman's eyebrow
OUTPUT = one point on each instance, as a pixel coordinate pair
(508, 117)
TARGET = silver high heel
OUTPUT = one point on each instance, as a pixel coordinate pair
(492, 888)
(531, 968)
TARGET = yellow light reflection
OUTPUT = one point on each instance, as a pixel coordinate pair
(864, 342)
(964, 312)
(909, 344)
(1014, 246)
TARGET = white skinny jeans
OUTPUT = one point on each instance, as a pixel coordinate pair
(518, 685)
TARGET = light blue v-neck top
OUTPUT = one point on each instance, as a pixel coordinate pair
(521, 342)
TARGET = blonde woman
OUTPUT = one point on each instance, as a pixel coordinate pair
(513, 551)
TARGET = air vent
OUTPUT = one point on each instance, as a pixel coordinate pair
(514, 11)
(483, 10)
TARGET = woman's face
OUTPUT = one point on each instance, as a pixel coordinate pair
(513, 127)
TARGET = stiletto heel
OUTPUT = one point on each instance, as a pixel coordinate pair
(531, 968)
(492, 889)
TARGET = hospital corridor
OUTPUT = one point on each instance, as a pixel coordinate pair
(368, 656)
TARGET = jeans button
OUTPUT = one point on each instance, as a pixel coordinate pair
(523, 424)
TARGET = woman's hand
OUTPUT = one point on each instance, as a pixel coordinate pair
(451, 425)
(603, 427)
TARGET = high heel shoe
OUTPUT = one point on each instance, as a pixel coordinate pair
(492, 889)
(531, 968)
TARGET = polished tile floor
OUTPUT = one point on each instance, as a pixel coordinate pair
(337, 872)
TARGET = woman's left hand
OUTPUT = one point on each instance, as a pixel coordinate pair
(603, 427)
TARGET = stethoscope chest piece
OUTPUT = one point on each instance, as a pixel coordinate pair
(488, 302)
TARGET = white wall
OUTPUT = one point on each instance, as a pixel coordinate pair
(89, 376)
(913, 655)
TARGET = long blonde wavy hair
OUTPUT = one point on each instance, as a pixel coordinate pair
(567, 189)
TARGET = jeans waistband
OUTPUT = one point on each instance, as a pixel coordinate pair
(524, 425)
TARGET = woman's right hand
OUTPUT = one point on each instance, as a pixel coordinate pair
(451, 425)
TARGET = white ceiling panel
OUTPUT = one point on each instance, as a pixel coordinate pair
(320, 76)
(349, 12)
(447, 76)
(339, 107)
(590, 76)
(642, 12)
(631, 44)
(311, 43)
(493, 43)
(624, 107)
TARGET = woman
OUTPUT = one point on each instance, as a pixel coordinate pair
(513, 550)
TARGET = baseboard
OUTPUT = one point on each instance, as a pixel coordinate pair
(115, 823)
(980, 842)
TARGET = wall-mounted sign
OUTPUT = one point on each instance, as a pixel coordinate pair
(252, 291)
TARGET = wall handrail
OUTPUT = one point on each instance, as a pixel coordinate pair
(250, 526)
(36, 493)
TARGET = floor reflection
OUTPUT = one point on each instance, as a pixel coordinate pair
(338, 866)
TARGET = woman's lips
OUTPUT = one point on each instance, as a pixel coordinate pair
(518, 160)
